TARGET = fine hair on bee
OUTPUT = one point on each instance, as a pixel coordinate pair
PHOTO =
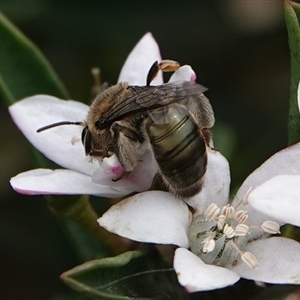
(174, 118)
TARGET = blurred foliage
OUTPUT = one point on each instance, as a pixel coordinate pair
(24, 70)
(292, 14)
(239, 51)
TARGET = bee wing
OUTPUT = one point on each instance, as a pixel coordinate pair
(168, 93)
(145, 98)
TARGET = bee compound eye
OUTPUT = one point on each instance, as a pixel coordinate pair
(98, 124)
(83, 134)
(86, 140)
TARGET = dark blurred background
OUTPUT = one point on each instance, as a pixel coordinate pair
(239, 50)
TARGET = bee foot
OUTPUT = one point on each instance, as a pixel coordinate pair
(124, 176)
(115, 180)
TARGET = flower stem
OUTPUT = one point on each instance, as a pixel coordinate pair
(81, 211)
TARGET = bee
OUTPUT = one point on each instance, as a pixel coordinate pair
(174, 117)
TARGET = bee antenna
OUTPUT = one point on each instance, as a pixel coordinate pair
(58, 124)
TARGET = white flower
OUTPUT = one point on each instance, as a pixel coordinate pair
(225, 242)
(80, 176)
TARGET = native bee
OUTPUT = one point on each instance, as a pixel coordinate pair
(174, 117)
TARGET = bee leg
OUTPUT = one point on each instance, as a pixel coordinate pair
(165, 65)
(109, 151)
(127, 141)
(124, 176)
(152, 73)
(207, 135)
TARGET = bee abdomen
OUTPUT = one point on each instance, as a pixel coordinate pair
(180, 152)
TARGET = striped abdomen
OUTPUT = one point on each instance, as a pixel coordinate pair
(179, 149)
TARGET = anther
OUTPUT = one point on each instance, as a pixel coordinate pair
(270, 227)
(249, 259)
(241, 216)
(228, 211)
(212, 211)
(75, 139)
(209, 245)
(221, 221)
(228, 231)
(241, 230)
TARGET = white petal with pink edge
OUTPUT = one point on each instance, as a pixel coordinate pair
(151, 217)
(185, 73)
(140, 179)
(60, 182)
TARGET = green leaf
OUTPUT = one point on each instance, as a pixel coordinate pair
(24, 71)
(85, 245)
(131, 275)
(292, 15)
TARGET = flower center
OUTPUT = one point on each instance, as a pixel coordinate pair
(220, 236)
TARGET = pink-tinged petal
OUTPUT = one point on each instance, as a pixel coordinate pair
(35, 112)
(139, 61)
(140, 179)
(279, 198)
(60, 182)
(284, 162)
(151, 217)
(197, 276)
(185, 73)
(278, 261)
(216, 183)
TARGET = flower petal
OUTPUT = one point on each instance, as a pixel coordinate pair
(185, 73)
(35, 112)
(279, 198)
(140, 179)
(278, 259)
(197, 276)
(151, 217)
(216, 183)
(284, 162)
(60, 182)
(139, 61)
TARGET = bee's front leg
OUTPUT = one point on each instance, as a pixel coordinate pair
(109, 151)
(126, 142)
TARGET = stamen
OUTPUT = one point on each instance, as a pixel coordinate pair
(209, 244)
(245, 198)
(249, 259)
(221, 221)
(241, 216)
(212, 211)
(228, 231)
(75, 139)
(270, 227)
(228, 211)
(241, 230)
